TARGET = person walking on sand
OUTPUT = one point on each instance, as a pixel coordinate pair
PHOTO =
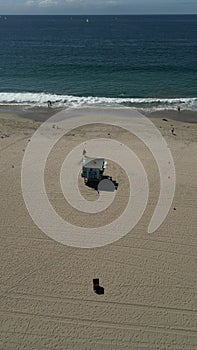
(49, 103)
(173, 131)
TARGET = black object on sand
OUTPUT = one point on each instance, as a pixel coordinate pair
(96, 288)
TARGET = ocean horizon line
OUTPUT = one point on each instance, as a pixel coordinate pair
(101, 14)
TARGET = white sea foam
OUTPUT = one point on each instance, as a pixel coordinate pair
(40, 99)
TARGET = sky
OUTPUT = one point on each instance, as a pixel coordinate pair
(65, 7)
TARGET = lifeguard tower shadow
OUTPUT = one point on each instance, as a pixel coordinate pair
(108, 185)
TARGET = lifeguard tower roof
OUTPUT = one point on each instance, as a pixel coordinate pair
(94, 163)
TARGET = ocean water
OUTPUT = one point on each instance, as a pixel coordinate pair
(138, 61)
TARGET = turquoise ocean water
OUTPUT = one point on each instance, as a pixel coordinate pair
(138, 61)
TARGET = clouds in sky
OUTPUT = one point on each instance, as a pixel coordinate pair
(97, 6)
(41, 3)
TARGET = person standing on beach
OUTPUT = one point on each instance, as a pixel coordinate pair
(173, 131)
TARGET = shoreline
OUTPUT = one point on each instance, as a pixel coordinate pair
(41, 114)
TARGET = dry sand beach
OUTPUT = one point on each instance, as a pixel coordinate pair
(46, 295)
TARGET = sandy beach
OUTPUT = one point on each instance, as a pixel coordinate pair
(46, 295)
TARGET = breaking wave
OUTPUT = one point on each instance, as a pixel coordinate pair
(68, 101)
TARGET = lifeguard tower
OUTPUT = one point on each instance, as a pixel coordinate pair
(93, 169)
